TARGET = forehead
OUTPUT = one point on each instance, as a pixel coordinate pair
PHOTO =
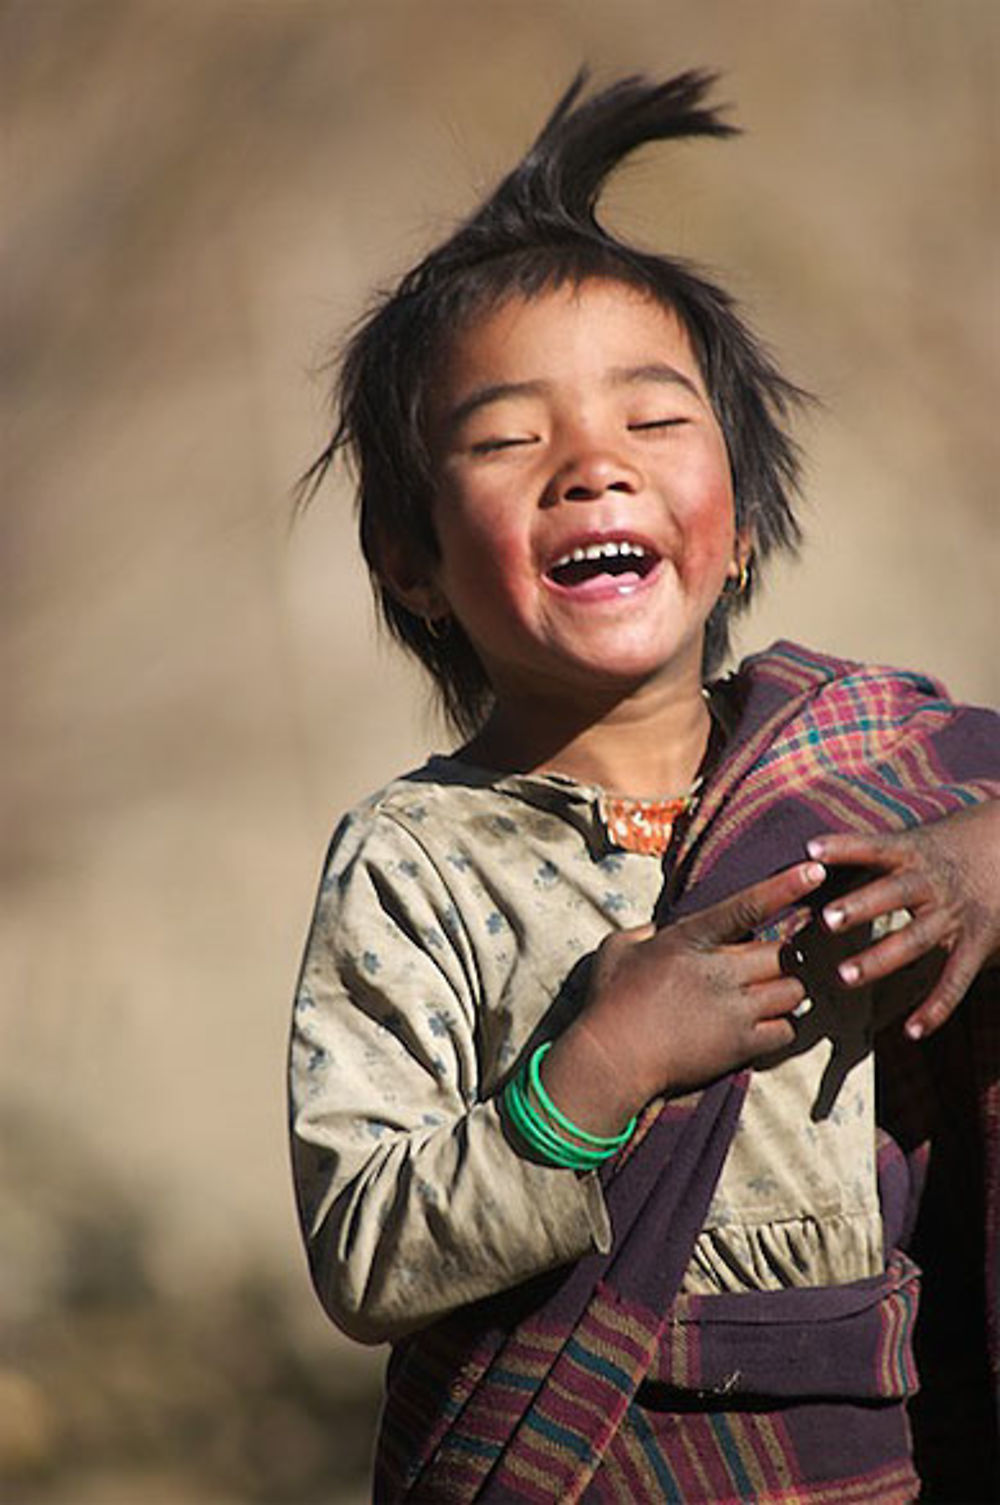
(573, 331)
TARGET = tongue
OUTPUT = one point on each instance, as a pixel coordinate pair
(620, 577)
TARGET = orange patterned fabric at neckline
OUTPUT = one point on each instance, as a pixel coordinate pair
(643, 826)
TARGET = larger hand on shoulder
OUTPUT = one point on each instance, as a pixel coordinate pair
(947, 876)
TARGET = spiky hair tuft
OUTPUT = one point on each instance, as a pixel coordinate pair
(553, 192)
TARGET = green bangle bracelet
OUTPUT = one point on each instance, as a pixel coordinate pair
(541, 1138)
(607, 1143)
(544, 1137)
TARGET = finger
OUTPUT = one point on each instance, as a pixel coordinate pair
(898, 950)
(957, 976)
(743, 912)
(861, 848)
(772, 1035)
(755, 962)
(777, 999)
(906, 889)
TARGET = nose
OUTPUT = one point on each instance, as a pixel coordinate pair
(591, 472)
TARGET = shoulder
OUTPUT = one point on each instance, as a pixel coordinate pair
(840, 693)
(394, 817)
(797, 670)
(412, 823)
(859, 714)
(386, 873)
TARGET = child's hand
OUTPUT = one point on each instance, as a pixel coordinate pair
(672, 1009)
(948, 876)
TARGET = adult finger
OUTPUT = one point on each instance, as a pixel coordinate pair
(865, 848)
(751, 907)
(957, 976)
(897, 950)
(906, 889)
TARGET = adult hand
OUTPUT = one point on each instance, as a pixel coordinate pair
(947, 875)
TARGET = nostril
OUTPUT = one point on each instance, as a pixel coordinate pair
(587, 480)
(581, 492)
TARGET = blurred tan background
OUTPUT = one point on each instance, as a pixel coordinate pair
(198, 196)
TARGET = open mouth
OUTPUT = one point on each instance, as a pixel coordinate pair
(620, 558)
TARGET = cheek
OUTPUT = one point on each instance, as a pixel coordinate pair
(710, 528)
(482, 553)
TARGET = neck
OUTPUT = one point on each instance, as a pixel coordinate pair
(648, 746)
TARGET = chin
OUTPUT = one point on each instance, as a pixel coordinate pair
(632, 677)
(642, 665)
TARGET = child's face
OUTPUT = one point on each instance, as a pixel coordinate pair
(573, 422)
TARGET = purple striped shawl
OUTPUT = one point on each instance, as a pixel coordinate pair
(598, 1381)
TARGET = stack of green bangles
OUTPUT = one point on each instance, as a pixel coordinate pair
(552, 1136)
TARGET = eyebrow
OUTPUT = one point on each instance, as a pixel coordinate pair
(483, 396)
(618, 376)
(655, 371)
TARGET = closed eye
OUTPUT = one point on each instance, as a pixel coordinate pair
(656, 423)
(490, 446)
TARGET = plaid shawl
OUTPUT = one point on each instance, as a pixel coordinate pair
(600, 1382)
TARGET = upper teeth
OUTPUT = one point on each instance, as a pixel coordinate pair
(610, 550)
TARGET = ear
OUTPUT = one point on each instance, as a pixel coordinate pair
(409, 579)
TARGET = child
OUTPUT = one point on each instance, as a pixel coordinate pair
(583, 1083)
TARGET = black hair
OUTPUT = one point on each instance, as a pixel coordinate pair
(537, 231)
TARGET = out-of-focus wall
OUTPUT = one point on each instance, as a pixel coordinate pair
(198, 198)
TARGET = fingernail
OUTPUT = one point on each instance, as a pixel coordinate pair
(815, 872)
(833, 918)
(814, 847)
(849, 972)
(914, 1029)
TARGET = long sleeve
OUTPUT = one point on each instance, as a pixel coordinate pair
(412, 1200)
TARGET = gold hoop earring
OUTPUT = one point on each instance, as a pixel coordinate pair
(739, 584)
